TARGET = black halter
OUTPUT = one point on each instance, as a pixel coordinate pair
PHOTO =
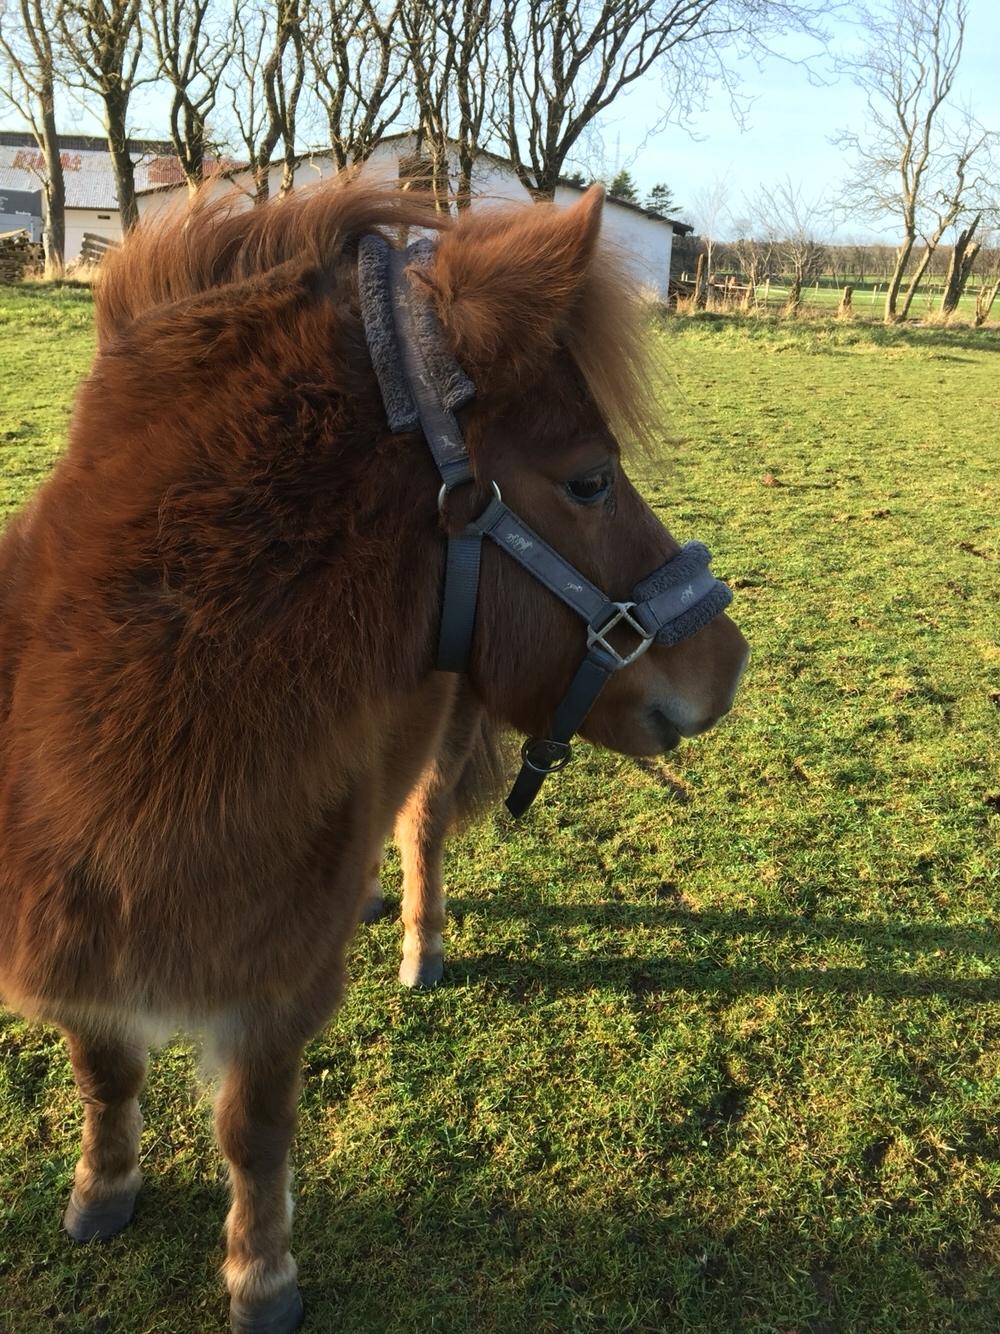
(669, 605)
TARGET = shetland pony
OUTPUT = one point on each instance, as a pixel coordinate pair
(217, 630)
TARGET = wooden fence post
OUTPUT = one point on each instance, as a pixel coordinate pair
(844, 309)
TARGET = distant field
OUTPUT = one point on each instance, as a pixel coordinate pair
(716, 1049)
(868, 302)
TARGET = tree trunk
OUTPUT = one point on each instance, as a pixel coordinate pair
(440, 176)
(896, 281)
(914, 283)
(189, 144)
(261, 181)
(466, 164)
(287, 170)
(794, 296)
(54, 235)
(121, 162)
(963, 256)
(985, 297)
(844, 309)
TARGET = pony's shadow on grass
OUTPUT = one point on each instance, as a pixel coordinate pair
(469, 1259)
(409, 1252)
(700, 969)
(961, 339)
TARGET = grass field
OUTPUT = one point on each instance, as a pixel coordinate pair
(868, 302)
(717, 1045)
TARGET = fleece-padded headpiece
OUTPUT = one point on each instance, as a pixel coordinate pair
(453, 386)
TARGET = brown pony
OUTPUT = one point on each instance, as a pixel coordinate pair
(217, 630)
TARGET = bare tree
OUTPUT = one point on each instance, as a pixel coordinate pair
(191, 55)
(754, 255)
(102, 41)
(449, 46)
(785, 213)
(561, 65)
(962, 186)
(989, 276)
(358, 73)
(709, 208)
(963, 257)
(859, 259)
(908, 160)
(269, 70)
(29, 86)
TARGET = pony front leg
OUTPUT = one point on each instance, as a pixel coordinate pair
(421, 832)
(255, 1121)
(109, 1074)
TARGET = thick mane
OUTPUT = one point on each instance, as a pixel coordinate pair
(211, 243)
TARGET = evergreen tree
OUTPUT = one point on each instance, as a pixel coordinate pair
(624, 187)
(661, 199)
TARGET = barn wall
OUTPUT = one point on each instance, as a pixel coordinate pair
(99, 222)
(644, 242)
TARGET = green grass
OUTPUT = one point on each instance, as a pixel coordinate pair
(717, 1047)
(46, 341)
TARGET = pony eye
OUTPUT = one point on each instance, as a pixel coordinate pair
(591, 487)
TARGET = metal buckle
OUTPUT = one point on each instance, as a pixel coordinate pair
(597, 635)
(446, 491)
(546, 756)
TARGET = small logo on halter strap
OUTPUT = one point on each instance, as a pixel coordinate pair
(518, 542)
(688, 593)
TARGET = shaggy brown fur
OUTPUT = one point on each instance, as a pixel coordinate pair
(217, 627)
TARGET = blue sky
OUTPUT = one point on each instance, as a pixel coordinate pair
(789, 126)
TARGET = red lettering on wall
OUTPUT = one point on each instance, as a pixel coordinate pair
(28, 161)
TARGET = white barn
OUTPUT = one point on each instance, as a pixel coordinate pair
(91, 194)
(644, 236)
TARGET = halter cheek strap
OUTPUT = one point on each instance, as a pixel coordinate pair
(422, 385)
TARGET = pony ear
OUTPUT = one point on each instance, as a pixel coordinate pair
(504, 285)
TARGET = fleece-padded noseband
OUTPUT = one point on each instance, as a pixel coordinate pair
(423, 386)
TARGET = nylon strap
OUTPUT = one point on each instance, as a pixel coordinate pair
(513, 535)
(551, 753)
(461, 593)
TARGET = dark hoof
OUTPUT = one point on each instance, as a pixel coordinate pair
(100, 1220)
(280, 1315)
(422, 973)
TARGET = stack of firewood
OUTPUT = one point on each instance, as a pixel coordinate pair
(19, 257)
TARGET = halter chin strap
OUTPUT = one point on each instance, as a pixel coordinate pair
(671, 604)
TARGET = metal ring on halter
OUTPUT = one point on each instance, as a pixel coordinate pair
(446, 491)
(558, 753)
(597, 635)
